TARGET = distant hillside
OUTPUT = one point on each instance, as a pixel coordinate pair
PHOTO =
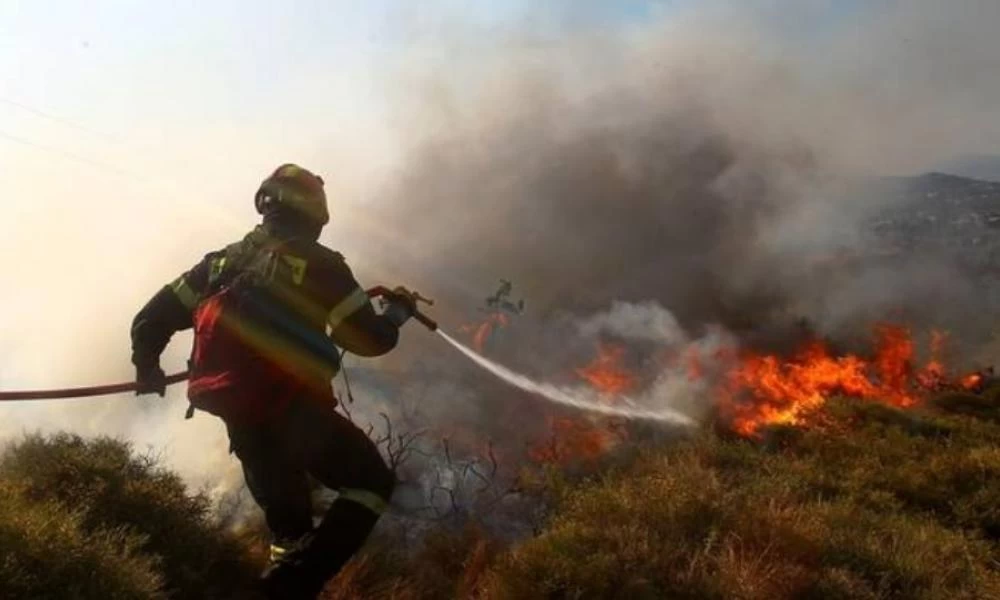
(944, 215)
(977, 166)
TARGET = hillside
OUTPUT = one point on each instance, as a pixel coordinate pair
(938, 212)
(861, 501)
(974, 166)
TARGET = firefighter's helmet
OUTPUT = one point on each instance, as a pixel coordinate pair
(293, 188)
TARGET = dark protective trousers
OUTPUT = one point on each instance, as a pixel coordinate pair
(310, 438)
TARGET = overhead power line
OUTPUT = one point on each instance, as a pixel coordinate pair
(70, 155)
(56, 119)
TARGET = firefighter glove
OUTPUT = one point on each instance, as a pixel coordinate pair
(401, 307)
(150, 379)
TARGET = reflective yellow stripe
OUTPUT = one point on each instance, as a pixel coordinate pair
(218, 264)
(298, 266)
(277, 552)
(347, 307)
(187, 296)
(369, 500)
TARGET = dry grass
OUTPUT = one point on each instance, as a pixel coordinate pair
(880, 505)
(869, 502)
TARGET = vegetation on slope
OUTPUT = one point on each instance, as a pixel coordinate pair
(863, 502)
(101, 502)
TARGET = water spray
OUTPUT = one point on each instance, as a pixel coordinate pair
(567, 396)
(552, 393)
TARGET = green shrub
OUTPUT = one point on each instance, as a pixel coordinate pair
(47, 553)
(114, 489)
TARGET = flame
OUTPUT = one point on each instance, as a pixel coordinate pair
(760, 390)
(763, 390)
(972, 381)
(605, 372)
(580, 438)
(481, 332)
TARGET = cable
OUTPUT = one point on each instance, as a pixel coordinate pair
(55, 119)
(70, 155)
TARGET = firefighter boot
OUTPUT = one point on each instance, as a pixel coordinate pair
(304, 570)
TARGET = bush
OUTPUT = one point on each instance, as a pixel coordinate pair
(111, 489)
(874, 503)
(49, 554)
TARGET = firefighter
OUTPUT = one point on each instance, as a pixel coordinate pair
(269, 313)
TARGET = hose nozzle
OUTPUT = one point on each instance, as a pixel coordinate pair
(412, 296)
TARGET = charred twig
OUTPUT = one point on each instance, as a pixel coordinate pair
(388, 429)
(462, 495)
(347, 412)
(398, 447)
(494, 465)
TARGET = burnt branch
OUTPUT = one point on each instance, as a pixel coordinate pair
(459, 487)
(398, 447)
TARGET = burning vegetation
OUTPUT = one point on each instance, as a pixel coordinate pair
(764, 389)
(754, 391)
(481, 332)
(899, 504)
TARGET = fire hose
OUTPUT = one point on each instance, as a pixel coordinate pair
(120, 388)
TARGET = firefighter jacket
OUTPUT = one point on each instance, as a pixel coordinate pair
(268, 313)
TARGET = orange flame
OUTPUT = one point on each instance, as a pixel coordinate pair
(481, 332)
(580, 439)
(606, 374)
(972, 381)
(763, 390)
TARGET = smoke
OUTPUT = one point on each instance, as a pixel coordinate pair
(709, 159)
(645, 321)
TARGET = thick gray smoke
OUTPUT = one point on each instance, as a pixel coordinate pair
(709, 161)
